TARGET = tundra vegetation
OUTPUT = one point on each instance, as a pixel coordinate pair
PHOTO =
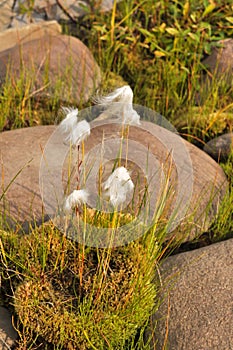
(64, 295)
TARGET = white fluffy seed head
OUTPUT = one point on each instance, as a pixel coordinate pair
(123, 94)
(131, 117)
(76, 198)
(70, 120)
(120, 103)
(118, 185)
(79, 133)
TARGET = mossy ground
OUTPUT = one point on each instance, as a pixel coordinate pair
(77, 297)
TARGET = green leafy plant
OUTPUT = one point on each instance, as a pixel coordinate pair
(158, 47)
(27, 7)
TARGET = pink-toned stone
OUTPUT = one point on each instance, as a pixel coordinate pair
(197, 300)
(58, 65)
(15, 36)
(21, 151)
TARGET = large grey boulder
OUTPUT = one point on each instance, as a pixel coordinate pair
(8, 335)
(202, 183)
(197, 300)
(220, 147)
(58, 65)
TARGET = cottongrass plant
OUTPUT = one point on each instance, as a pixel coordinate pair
(74, 131)
(78, 134)
(80, 297)
(71, 119)
(119, 183)
(74, 134)
(76, 198)
(118, 186)
(120, 103)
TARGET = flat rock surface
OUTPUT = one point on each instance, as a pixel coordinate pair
(51, 60)
(21, 151)
(7, 333)
(197, 310)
